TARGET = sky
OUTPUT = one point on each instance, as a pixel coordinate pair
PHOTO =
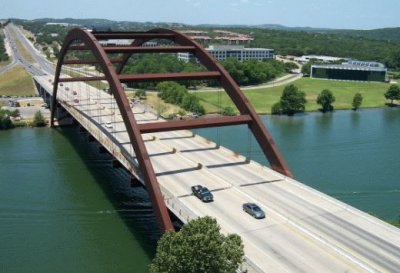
(345, 14)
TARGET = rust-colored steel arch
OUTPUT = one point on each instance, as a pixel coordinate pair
(262, 135)
(132, 128)
(115, 78)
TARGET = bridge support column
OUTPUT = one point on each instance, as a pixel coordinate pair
(135, 182)
(116, 164)
(82, 129)
(102, 150)
(91, 138)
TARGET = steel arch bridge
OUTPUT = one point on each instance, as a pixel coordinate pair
(82, 40)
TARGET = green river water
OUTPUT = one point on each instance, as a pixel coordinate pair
(63, 208)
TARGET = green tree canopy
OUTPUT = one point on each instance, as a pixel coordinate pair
(172, 92)
(198, 247)
(306, 68)
(357, 101)
(3, 53)
(325, 99)
(393, 93)
(5, 121)
(292, 100)
(254, 72)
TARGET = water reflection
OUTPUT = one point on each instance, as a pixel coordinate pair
(355, 118)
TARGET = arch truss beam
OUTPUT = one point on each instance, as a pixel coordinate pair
(93, 42)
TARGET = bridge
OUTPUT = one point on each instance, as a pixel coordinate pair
(304, 230)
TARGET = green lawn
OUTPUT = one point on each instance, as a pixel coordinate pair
(263, 99)
(16, 82)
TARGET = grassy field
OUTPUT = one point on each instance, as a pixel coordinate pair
(263, 99)
(164, 109)
(4, 63)
(16, 82)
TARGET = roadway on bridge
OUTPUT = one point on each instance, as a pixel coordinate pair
(304, 230)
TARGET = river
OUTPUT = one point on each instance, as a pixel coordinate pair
(63, 208)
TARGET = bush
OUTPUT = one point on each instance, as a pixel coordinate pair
(141, 94)
(15, 113)
(228, 111)
(38, 120)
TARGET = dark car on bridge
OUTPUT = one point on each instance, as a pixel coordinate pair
(254, 210)
(202, 193)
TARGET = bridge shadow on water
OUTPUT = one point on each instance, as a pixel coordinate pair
(132, 204)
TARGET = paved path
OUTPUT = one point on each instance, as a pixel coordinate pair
(277, 82)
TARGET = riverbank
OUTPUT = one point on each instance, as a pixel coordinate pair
(263, 99)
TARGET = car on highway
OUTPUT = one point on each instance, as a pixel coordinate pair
(202, 193)
(109, 124)
(254, 210)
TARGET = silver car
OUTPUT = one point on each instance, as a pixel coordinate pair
(254, 210)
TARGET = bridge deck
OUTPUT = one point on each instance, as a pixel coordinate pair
(304, 230)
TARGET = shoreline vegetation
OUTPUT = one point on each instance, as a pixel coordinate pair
(263, 99)
(10, 119)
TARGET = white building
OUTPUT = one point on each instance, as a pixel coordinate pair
(222, 52)
(321, 58)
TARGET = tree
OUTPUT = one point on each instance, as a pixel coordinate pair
(228, 111)
(325, 99)
(292, 100)
(393, 93)
(38, 120)
(306, 68)
(276, 109)
(290, 66)
(198, 247)
(357, 101)
(5, 122)
(15, 113)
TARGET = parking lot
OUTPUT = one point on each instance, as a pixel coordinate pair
(26, 112)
